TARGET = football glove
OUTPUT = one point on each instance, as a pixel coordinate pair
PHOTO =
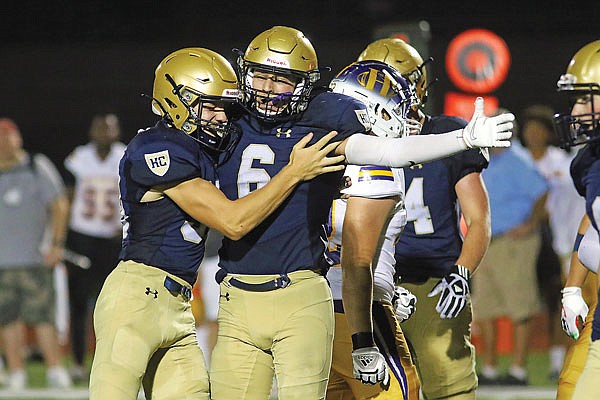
(574, 311)
(405, 303)
(369, 367)
(453, 289)
(482, 131)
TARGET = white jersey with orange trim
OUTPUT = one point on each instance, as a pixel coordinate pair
(370, 182)
(95, 208)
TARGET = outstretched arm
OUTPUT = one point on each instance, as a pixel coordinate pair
(480, 132)
(208, 205)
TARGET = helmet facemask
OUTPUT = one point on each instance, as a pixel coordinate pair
(577, 129)
(275, 107)
(211, 133)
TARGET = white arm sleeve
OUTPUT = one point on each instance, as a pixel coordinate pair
(402, 152)
(589, 250)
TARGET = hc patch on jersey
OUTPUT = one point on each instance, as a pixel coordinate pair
(158, 162)
(363, 118)
(373, 173)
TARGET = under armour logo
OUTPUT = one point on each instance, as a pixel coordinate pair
(413, 166)
(285, 134)
(149, 292)
(226, 296)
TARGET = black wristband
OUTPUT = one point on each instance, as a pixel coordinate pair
(362, 339)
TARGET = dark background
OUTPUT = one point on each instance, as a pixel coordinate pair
(64, 61)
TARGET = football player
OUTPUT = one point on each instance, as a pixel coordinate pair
(581, 125)
(370, 206)
(579, 291)
(275, 309)
(432, 258)
(143, 320)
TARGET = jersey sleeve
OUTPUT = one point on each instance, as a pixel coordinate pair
(164, 162)
(353, 118)
(334, 111)
(374, 182)
(472, 160)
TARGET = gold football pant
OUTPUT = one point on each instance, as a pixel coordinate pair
(145, 332)
(287, 332)
(441, 348)
(578, 351)
(404, 383)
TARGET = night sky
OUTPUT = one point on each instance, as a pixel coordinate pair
(64, 61)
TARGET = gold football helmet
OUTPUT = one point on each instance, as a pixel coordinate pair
(187, 79)
(404, 58)
(581, 83)
(282, 51)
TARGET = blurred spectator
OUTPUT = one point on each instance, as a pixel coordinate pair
(564, 207)
(505, 283)
(92, 179)
(33, 217)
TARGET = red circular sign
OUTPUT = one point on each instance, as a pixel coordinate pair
(477, 61)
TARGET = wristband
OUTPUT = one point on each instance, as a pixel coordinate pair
(362, 339)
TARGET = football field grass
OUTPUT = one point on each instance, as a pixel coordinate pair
(540, 388)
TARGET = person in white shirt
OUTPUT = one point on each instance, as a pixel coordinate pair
(94, 237)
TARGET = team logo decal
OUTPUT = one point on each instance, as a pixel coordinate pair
(286, 134)
(363, 118)
(158, 162)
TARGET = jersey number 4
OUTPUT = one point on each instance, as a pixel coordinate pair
(416, 209)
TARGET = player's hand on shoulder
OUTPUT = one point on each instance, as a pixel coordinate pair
(405, 303)
(310, 161)
(369, 366)
(482, 131)
(453, 289)
(574, 311)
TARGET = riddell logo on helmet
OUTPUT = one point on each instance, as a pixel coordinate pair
(283, 63)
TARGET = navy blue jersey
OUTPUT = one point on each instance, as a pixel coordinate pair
(431, 241)
(292, 237)
(585, 172)
(156, 231)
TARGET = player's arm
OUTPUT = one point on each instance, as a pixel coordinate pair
(574, 308)
(363, 230)
(454, 287)
(474, 203)
(480, 132)
(234, 218)
(59, 215)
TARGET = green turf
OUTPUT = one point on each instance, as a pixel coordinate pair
(537, 365)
